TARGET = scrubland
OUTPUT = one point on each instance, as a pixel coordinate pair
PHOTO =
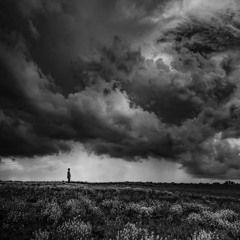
(128, 211)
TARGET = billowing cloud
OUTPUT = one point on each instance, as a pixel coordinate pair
(67, 76)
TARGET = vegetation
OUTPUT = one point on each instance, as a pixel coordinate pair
(128, 211)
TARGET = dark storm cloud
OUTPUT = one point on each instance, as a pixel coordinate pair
(58, 32)
(37, 116)
(205, 32)
(207, 49)
(27, 101)
(65, 77)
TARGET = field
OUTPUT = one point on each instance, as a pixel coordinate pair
(80, 210)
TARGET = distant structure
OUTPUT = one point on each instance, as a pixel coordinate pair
(229, 183)
(69, 175)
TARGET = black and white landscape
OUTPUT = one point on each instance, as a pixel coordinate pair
(120, 91)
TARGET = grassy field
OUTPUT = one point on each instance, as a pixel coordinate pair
(80, 210)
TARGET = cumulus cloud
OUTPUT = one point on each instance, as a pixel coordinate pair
(214, 158)
(67, 76)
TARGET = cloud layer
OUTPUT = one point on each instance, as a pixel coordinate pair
(70, 73)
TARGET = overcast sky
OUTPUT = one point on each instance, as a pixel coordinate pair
(120, 90)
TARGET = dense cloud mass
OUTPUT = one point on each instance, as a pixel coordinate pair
(76, 71)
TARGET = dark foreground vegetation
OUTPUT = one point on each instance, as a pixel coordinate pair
(146, 211)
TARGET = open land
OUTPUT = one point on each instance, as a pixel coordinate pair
(124, 210)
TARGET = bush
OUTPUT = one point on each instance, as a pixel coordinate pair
(75, 208)
(176, 209)
(73, 230)
(52, 212)
(41, 235)
(194, 218)
(203, 235)
(132, 232)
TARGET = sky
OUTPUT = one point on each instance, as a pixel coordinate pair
(120, 90)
